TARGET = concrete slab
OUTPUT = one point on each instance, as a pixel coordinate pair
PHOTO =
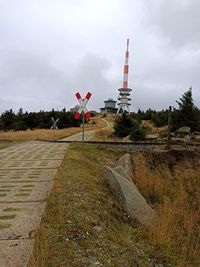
(7, 176)
(15, 253)
(20, 220)
(32, 156)
(37, 152)
(14, 192)
(78, 136)
(32, 164)
(35, 144)
(26, 179)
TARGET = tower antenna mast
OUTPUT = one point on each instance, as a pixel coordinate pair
(124, 92)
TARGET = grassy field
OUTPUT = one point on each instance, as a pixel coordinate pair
(104, 135)
(84, 226)
(170, 182)
(153, 129)
(47, 134)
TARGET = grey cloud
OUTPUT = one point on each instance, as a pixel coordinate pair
(31, 80)
(37, 84)
(91, 76)
(178, 21)
(49, 50)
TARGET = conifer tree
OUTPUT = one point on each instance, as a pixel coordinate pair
(187, 114)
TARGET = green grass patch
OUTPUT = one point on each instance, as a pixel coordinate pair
(5, 190)
(8, 186)
(5, 226)
(25, 190)
(28, 185)
(21, 194)
(11, 210)
(7, 217)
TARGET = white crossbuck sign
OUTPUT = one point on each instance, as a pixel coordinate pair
(54, 125)
(83, 103)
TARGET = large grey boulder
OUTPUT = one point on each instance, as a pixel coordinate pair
(123, 173)
(126, 163)
(129, 198)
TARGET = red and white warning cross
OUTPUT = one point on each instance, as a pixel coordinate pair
(83, 103)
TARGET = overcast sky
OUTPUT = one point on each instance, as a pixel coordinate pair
(50, 49)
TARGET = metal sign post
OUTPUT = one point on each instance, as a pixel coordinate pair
(83, 124)
(83, 110)
(169, 128)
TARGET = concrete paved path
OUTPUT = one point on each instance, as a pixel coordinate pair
(26, 179)
(88, 134)
(78, 137)
(109, 125)
(27, 171)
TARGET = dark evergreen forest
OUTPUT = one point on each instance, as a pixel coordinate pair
(9, 120)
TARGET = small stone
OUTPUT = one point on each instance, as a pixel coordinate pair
(152, 136)
(97, 263)
(97, 228)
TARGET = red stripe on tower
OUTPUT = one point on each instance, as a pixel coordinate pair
(125, 79)
(126, 69)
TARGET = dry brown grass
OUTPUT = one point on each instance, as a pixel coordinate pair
(38, 134)
(105, 135)
(175, 195)
(153, 128)
(47, 134)
(110, 117)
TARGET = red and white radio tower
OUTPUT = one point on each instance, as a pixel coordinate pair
(124, 92)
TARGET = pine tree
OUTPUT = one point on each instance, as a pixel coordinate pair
(124, 124)
(187, 114)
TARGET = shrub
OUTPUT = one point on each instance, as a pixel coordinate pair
(124, 124)
(138, 134)
(127, 125)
